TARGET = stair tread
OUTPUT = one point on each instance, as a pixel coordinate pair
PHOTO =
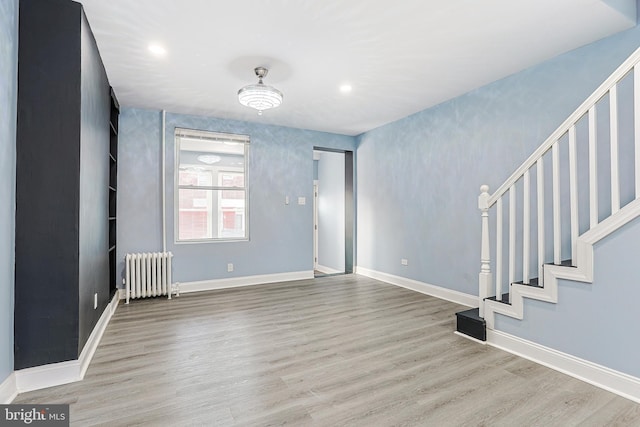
(565, 263)
(472, 313)
(532, 282)
(505, 299)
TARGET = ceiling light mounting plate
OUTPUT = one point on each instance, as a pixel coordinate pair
(261, 72)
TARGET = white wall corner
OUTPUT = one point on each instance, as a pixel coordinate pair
(424, 288)
(600, 376)
(54, 374)
(236, 282)
(626, 9)
(8, 389)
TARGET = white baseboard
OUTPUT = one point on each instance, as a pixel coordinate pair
(470, 338)
(54, 374)
(327, 270)
(8, 389)
(424, 288)
(235, 282)
(96, 335)
(616, 382)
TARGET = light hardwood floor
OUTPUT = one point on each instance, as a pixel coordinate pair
(340, 350)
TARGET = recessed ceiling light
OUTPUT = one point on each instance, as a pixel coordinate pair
(157, 49)
(345, 88)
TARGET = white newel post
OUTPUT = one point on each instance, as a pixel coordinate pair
(485, 257)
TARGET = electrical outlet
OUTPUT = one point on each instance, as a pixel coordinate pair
(229, 267)
(286, 200)
(95, 300)
(404, 261)
(302, 200)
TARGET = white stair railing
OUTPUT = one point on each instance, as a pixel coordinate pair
(519, 268)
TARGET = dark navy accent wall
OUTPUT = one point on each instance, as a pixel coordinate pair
(48, 162)
(94, 181)
(61, 214)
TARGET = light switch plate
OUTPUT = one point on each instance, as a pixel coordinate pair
(302, 200)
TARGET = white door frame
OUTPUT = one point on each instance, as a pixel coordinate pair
(315, 224)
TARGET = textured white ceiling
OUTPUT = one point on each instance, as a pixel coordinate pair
(400, 56)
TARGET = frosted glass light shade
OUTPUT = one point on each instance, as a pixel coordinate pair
(260, 96)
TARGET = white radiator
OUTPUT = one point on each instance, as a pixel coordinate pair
(148, 275)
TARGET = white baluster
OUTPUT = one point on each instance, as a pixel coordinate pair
(499, 249)
(526, 227)
(512, 235)
(636, 121)
(615, 172)
(540, 182)
(557, 244)
(485, 255)
(573, 193)
(593, 168)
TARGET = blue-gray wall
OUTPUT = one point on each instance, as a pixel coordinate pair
(419, 178)
(331, 217)
(280, 164)
(8, 100)
(139, 203)
(594, 321)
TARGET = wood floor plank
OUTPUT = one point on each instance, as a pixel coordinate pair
(336, 350)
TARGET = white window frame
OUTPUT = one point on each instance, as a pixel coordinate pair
(219, 137)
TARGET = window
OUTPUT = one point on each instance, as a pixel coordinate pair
(212, 202)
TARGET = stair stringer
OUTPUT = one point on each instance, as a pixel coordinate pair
(582, 272)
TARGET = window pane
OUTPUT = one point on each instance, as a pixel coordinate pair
(195, 176)
(231, 179)
(195, 214)
(232, 212)
(211, 214)
(213, 156)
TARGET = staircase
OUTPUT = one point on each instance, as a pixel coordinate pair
(579, 186)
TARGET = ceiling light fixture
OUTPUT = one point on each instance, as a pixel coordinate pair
(346, 88)
(208, 158)
(157, 49)
(260, 96)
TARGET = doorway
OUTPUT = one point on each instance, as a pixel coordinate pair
(332, 212)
